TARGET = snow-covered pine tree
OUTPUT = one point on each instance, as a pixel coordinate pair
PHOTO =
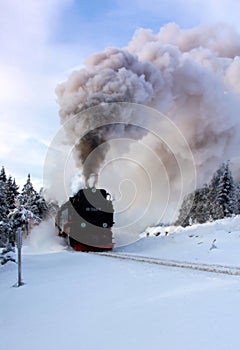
(3, 214)
(219, 199)
(28, 192)
(33, 202)
(50, 207)
(193, 219)
(213, 186)
(237, 191)
(195, 208)
(27, 204)
(3, 176)
(11, 192)
(185, 211)
(43, 208)
(6, 239)
(222, 193)
(20, 218)
(226, 204)
(202, 209)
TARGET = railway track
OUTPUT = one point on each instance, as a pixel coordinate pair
(212, 268)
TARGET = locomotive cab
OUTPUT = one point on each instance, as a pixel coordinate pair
(86, 219)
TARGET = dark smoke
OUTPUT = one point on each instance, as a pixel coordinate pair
(190, 75)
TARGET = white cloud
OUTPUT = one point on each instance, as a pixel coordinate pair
(28, 77)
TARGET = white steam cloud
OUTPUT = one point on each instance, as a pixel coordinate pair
(192, 76)
(43, 239)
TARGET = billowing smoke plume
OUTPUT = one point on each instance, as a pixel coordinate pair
(113, 76)
(193, 76)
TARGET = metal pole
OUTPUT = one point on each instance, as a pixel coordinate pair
(19, 265)
(19, 247)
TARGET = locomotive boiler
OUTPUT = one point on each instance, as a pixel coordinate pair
(86, 220)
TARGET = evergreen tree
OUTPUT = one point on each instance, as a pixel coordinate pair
(218, 200)
(17, 211)
(28, 197)
(28, 192)
(6, 239)
(213, 186)
(185, 211)
(202, 208)
(237, 191)
(225, 199)
(42, 206)
(192, 215)
(11, 192)
(195, 208)
(20, 218)
(3, 201)
(33, 201)
(3, 215)
(3, 176)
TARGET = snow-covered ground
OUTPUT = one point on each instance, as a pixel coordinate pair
(76, 300)
(217, 242)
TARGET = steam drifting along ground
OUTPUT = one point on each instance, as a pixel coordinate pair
(44, 239)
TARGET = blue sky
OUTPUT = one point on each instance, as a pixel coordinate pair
(43, 41)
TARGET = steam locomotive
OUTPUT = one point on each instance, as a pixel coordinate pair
(86, 220)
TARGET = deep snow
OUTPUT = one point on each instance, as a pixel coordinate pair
(217, 242)
(82, 301)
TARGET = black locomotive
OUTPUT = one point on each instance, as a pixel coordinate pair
(86, 220)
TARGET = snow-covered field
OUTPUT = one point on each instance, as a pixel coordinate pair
(83, 301)
(217, 243)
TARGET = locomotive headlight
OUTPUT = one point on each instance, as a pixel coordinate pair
(104, 225)
(93, 189)
(83, 224)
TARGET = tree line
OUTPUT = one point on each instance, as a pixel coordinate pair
(218, 199)
(18, 209)
(23, 209)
